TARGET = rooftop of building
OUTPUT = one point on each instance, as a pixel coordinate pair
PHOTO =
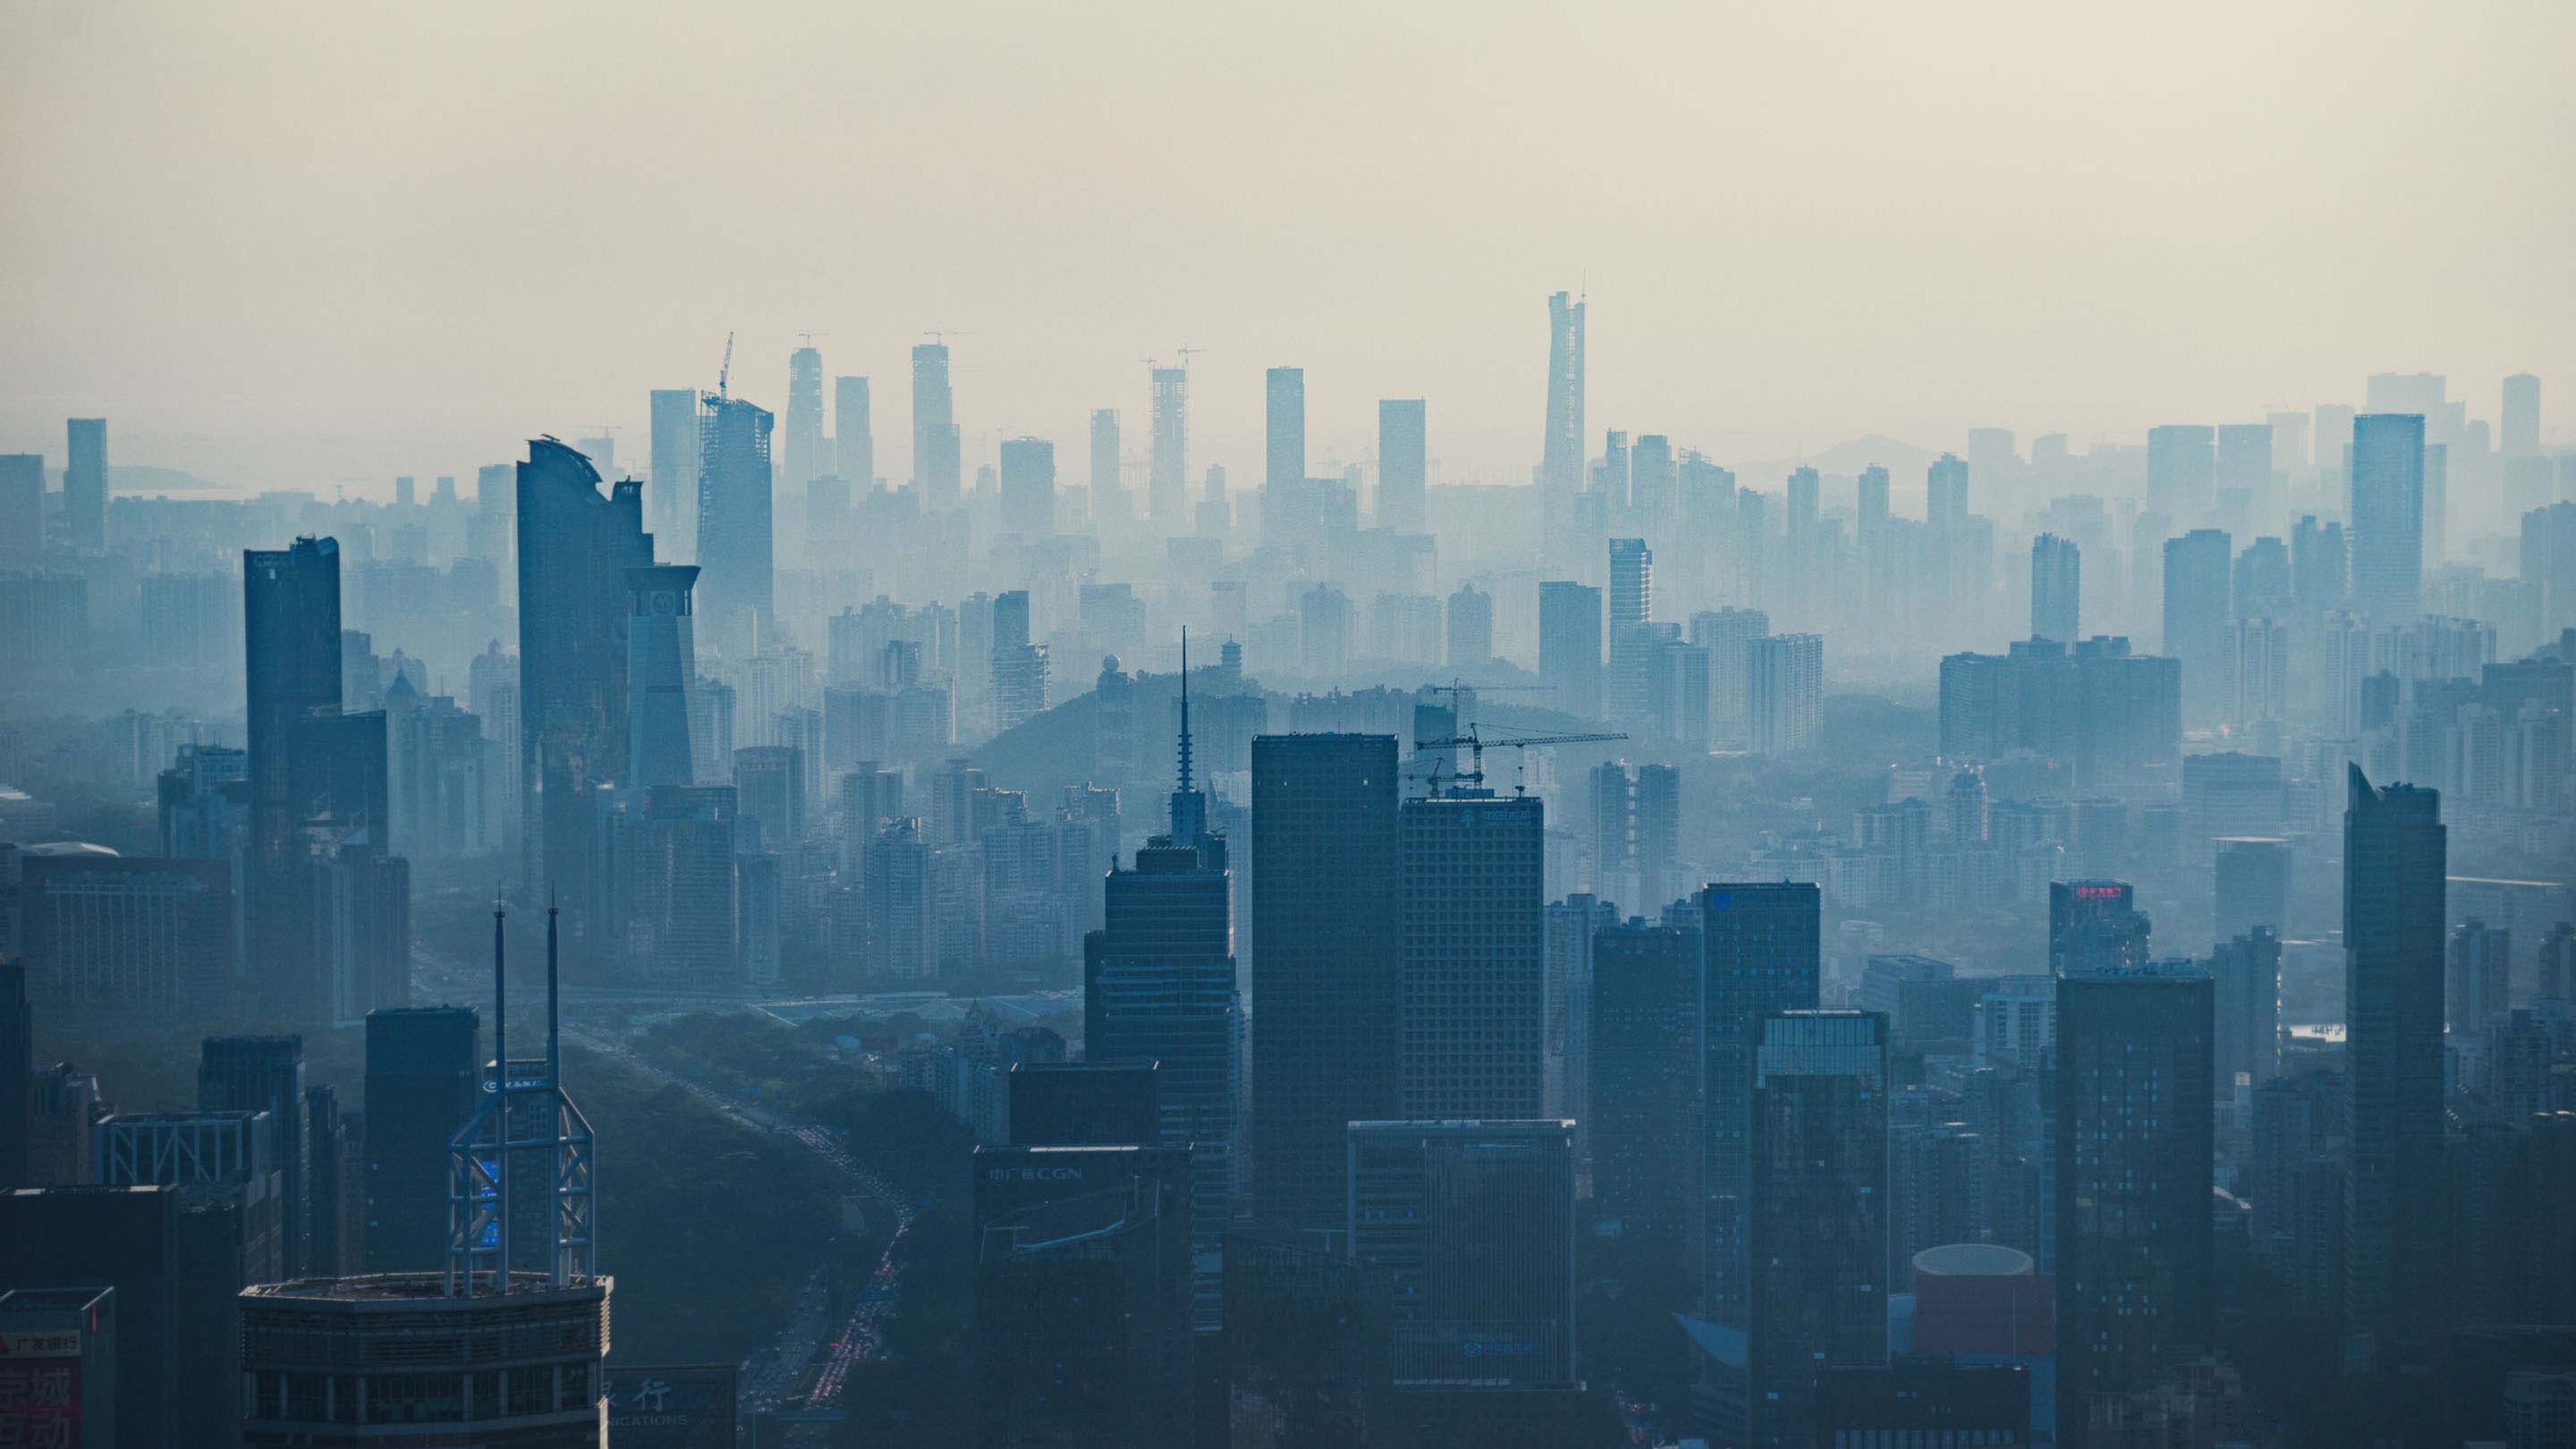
(414, 1289)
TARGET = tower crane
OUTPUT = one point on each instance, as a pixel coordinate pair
(726, 371)
(1473, 738)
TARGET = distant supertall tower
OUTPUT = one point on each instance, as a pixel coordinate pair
(675, 463)
(2387, 516)
(735, 540)
(1028, 487)
(291, 635)
(854, 436)
(936, 467)
(1159, 987)
(2520, 435)
(661, 674)
(1560, 469)
(1108, 494)
(575, 546)
(1763, 952)
(85, 486)
(1569, 646)
(1167, 479)
(1817, 1154)
(1403, 463)
(1473, 973)
(2056, 579)
(2395, 853)
(1327, 864)
(804, 460)
(1284, 432)
(2135, 1275)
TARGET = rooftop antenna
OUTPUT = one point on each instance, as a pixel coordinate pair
(810, 336)
(501, 1088)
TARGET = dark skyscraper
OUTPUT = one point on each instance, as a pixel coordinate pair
(85, 486)
(1327, 865)
(2132, 1156)
(1763, 949)
(2394, 852)
(1643, 1056)
(1159, 988)
(266, 1074)
(2386, 516)
(291, 634)
(2056, 592)
(1473, 972)
(735, 546)
(937, 472)
(1817, 1242)
(575, 546)
(1569, 647)
(422, 1075)
(2092, 924)
(1403, 464)
(17, 1060)
(1284, 427)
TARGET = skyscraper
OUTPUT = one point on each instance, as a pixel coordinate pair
(2197, 575)
(805, 460)
(1108, 494)
(22, 509)
(674, 463)
(1945, 494)
(2056, 592)
(2132, 1158)
(291, 635)
(1817, 1289)
(1284, 427)
(736, 552)
(1642, 1051)
(1560, 469)
(1403, 463)
(1784, 693)
(85, 486)
(1762, 946)
(266, 1074)
(1159, 988)
(1327, 863)
(2386, 512)
(422, 1080)
(1028, 487)
(1632, 603)
(1472, 974)
(854, 434)
(2394, 852)
(661, 673)
(17, 1059)
(2246, 1033)
(2182, 472)
(2519, 437)
(936, 466)
(575, 546)
(1569, 646)
(2093, 925)
(1167, 479)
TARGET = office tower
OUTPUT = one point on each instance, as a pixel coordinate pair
(2386, 515)
(575, 545)
(1028, 487)
(1327, 863)
(232, 1153)
(2197, 577)
(661, 672)
(2520, 435)
(85, 486)
(1284, 427)
(903, 929)
(1108, 495)
(1304, 1347)
(736, 552)
(2241, 475)
(1082, 1296)
(17, 1060)
(1472, 972)
(2553, 969)
(1655, 829)
(2246, 970)
(1167, 469)
(1817, 1153)
(1762, 952)
(1159, 988)
(936, 464)
(422, 1085)
(1651, 493)
(804, 459)
(1088, 1103)
(676, 898)
(1560, 469)
(854, 437)
(266, 1074)
(1569, 647)
(674, 460)
(1642, 1054)
(1784, 693)
(1471, 628)
(22, 509)
(1403, 464)
(1632, 602)
(2056, 592)
(2182, 466)
(1019, 667)
(1945, 493)
(2394, 851)
(2132, 1164)
(2092, 926)
(2477, 984)
(769, 784)
(125, 942)
(291, 631)
(1473, 1224)
(2252, 885)
(1727, 634)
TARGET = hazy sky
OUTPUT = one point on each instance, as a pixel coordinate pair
(293, 244)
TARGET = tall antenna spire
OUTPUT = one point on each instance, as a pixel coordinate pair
(1185, 709)
(1189, 807)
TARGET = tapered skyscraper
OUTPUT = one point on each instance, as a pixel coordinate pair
(661, 673)
(1560, 469)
